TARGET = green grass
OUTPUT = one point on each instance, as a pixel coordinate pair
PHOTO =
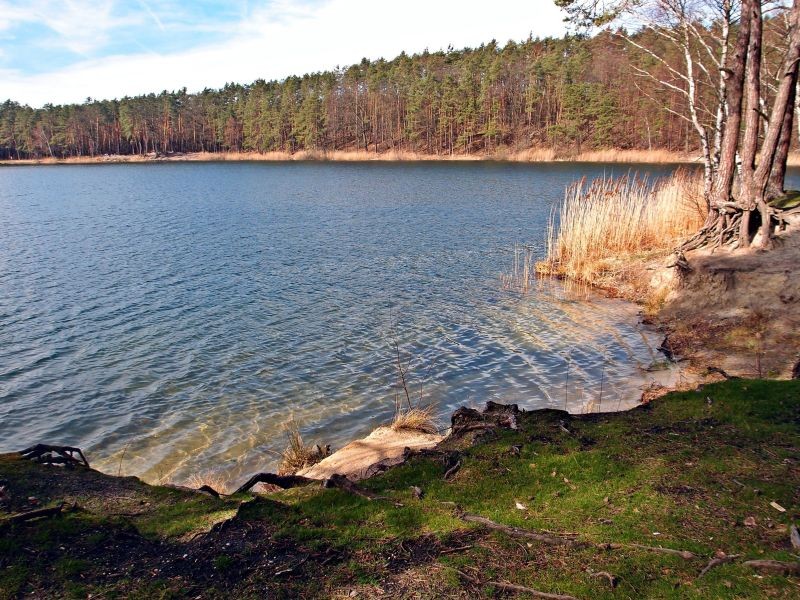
(686, 472)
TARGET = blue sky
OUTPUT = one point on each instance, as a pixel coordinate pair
(66, 50)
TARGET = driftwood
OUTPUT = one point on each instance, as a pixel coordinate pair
(775, 566)
(55, 455)
(281, 481)
(510, 587)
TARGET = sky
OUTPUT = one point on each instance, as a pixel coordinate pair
(61, 51)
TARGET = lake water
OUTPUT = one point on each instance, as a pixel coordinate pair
(170, 318)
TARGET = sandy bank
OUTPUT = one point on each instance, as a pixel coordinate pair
(738, 311)
(384, 446)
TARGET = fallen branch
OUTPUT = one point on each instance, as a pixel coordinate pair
(452, 470)
(559, 540)
(684, 554)
(31, 515)
(453, 550)
(774, 566)
(612, 580)
(717, 561)
(55, 455)
(282, 481)
(516, 588)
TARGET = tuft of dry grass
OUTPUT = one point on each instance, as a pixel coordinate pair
(298, 455)
(212, 479)
(607, 225)
(416, 418)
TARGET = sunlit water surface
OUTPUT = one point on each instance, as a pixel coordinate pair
(170, 318)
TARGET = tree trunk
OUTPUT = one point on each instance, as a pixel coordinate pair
(777, 176)
(723, 184)
(749, 146)
(769, 149)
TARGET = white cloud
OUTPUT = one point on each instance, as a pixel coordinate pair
(80, 26)
(288, 38)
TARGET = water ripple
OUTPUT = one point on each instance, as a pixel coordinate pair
(170, 318)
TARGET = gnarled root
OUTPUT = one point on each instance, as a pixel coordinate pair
(55, 455)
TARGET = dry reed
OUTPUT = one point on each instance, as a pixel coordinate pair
(531, 155)
(298, 455)
(212, 479)
(416, 418)
(608, 225)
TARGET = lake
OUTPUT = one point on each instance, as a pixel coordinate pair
(170, 318)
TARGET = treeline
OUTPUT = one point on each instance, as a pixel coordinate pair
(570, 93)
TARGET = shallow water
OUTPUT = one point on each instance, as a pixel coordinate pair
(169, 318)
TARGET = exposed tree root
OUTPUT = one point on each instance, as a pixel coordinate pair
(282, 481)
(55, 455)
(725, 230)
(717, 561)
(564, 539)
(547, 538)
(612, 580)
(775, 566)
(510, 587)
(32, 515)
(343, 483)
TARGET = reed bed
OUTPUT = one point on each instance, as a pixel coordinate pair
(615, 155)
(607, 226)
(525, 155)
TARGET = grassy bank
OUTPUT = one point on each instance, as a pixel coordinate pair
(503, 154)
(706, 472)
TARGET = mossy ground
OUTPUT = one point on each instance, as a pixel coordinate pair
(693, 471)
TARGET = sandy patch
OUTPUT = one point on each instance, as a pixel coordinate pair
(384, 445)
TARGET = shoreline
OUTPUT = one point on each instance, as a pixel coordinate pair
(532, 155)
(649, 498)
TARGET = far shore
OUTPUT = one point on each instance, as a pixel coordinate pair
(532, 155)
